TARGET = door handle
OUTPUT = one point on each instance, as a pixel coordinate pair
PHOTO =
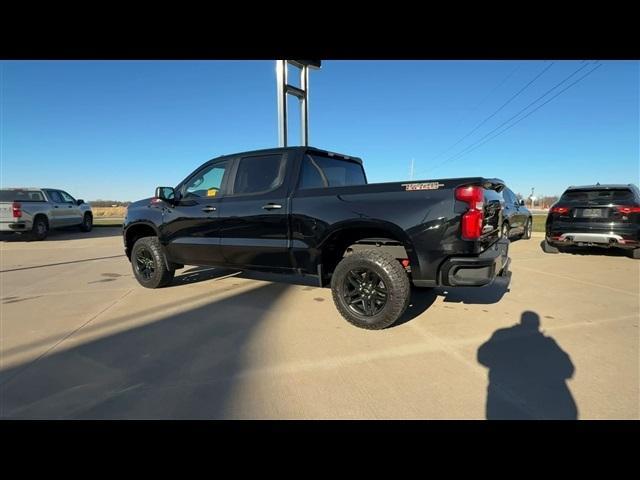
(209, 209)
(271, 206)
(55, 206)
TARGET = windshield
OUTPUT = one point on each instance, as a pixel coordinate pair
(21, 196)
(598, 197)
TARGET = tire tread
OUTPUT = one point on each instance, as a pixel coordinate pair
(399, 288)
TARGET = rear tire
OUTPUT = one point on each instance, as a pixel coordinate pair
(505, 230)
(635, 253)
(148, 263)
(87, 222)
(547, 248)
(526, 235)
(40, 228)
(370, 289)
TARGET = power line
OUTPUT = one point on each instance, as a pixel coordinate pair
(536, 109)
(469, 147)
(499, 108)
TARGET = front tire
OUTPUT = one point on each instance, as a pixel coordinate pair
(149, 266)
(40, 228)
(87, 222)
(635, 253)
(526, 235)
(370, 289)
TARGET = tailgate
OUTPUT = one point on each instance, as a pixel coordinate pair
(6, 212)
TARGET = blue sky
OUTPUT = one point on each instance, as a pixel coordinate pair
(116, 129)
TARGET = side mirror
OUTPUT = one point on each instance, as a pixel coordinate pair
(165, 193)
(522, 203)
(79, 202)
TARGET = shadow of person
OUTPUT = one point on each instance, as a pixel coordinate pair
(527, 374)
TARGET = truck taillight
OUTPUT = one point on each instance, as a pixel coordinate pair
(16, 208)
(472, 220)
(560, 210)
(627, 210)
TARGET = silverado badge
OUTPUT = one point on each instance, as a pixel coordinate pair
(422, 186)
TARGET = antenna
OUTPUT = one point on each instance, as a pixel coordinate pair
(411, 170)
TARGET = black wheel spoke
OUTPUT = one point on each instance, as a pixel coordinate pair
(354, 279)
(145, 264)
(364, 292)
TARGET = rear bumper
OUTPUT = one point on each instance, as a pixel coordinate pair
(602, 239)
(478, 270)
(14, 226)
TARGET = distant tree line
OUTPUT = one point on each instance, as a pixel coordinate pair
(108, 203)
(541, 202)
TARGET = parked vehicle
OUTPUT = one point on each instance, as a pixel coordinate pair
(308, 211)
(37, 210)
(516, 218)
(605, 216)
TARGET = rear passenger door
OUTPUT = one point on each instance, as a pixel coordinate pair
(57, 212)
(254, 215)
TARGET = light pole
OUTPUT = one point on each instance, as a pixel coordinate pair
(302, 93)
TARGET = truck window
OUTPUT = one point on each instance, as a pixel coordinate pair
(338, 172)
(258, 174)
(311, 175)
(20, 196)
(55, 196)
(207, 182)
(66, 197)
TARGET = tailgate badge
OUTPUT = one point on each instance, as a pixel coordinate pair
(422, 186)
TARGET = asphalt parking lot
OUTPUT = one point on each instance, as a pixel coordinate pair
(81, 339)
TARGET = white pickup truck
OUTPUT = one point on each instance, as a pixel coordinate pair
(37, 210)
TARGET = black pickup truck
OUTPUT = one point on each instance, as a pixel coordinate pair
(308, 211)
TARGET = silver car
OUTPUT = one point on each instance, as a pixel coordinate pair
(37, 210)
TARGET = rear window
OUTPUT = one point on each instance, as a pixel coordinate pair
(21, 196)
(320, 171)
(597, 196)
(258, 174)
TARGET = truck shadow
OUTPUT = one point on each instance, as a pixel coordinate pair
(180, 366)
(492, 293)
(68, 233)
(527, 374)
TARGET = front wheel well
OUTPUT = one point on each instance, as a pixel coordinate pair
(134, 233)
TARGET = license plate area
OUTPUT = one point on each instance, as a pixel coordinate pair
(590, 213)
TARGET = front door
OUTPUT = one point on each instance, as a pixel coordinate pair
(191, 226)
(72, 212)
(254, 219)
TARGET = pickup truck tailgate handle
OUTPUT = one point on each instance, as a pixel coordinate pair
(271, 206)
(209, 209)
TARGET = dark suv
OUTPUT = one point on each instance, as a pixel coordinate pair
(595, 216)
(516, 218)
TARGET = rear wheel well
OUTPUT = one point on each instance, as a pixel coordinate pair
(43, 216)
(341, 244)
